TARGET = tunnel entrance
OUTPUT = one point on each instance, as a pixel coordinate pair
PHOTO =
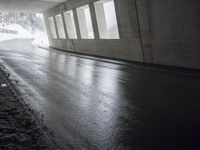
(20, 25)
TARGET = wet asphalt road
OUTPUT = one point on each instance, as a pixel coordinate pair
(93, 104)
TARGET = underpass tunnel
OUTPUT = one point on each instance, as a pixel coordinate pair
(142, 31)
(130, 30)
(24, 20)
(100, 74)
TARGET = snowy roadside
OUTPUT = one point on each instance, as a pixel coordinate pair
(18, 129)
(40, 39)
(21, 33)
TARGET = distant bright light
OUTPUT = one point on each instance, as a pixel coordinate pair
(23, 26)
(3, 85)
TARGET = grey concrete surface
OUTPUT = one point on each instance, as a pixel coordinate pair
(151, 31)
(128, 47)
(35, 6)
(93, 104)
(175, 32)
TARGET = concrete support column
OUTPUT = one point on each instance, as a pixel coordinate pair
(56, 28)
(76, 24)
(52, 28)
(94, 21)
(127, 19)
(144, 28)
(65, 27)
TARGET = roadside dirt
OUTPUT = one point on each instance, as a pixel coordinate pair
(18, 129)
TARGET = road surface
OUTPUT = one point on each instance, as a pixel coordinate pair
(93, 104)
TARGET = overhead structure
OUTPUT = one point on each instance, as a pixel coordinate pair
(35, 6)
(148, 31)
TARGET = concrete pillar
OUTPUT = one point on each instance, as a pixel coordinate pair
(54, 21)
(144, 28)
(101, 19)
(65, 27)
(52, 28)
(94, 21)
(76, 24)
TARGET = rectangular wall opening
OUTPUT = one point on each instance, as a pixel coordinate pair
(60, 26)
(85, 22)
(52, 28)
(106, 19)
(69, 21)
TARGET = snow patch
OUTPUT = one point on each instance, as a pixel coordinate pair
(22, 33)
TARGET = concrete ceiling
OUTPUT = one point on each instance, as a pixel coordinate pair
(36, 6)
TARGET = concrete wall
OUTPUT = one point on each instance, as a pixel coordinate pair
(175, 32)
(151, 31)
(128, 47)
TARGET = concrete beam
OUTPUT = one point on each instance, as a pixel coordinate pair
(34, 6)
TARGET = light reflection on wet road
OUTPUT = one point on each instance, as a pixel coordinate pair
(92, 104)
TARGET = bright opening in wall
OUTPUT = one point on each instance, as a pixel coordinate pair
(106, 19)
(52, 28)
(60, 27)
(40, 32)
(85, 22)
(20, 25)
(69, 21)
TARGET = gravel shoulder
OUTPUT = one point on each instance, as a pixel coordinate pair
(18, 128)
